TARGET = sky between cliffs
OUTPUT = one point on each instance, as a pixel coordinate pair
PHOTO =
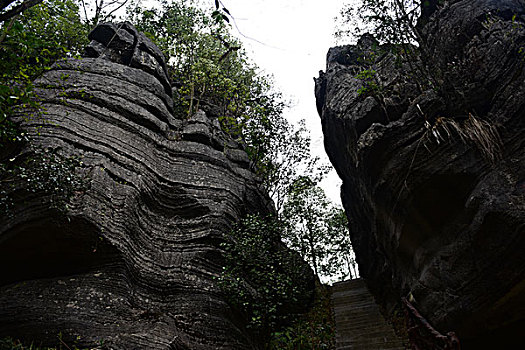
(289, 39)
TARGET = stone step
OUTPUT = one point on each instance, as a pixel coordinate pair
(359, 323)
(357, 291)
(349, 284)
(369, 347)
(347, 314)
(353, 301)
(363, 332)
(364, 328)
(372, 344)
(357, 309)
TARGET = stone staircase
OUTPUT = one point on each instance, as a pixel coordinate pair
(359, 324)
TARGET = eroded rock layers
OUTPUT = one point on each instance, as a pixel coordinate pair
(432, 156)
(131, 262)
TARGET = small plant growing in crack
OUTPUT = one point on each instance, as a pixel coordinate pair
(370, 85)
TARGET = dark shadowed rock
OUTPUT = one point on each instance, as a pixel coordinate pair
(131, 262)
(434, 196)
(122, 43)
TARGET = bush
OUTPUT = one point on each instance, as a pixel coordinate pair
(42, 171)
(263, 279)
(314, 330)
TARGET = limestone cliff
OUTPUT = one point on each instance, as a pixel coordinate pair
(434, 171)
(130, 263)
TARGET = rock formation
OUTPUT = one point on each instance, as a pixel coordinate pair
(130, 262)
(432, 159)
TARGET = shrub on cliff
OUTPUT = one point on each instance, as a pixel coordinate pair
(390, 21)
(262, 280)
(30, 42)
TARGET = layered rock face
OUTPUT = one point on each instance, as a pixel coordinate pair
(131, 262)
(433, 177)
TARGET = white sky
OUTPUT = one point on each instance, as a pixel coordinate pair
(295, 37)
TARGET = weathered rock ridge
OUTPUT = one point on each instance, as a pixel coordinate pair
(435, 199)
(131, 263)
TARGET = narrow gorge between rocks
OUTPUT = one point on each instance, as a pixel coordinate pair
(429, 145)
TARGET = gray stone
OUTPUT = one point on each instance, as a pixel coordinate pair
(122, 43)
(432, 213)
(132, 263)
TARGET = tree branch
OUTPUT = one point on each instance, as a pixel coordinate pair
(115, 9)
(17, 9)
(5, 3)
(8, 28)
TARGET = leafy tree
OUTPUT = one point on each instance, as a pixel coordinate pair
(29, 44)
(390, 21)
(207, 64)
(317, 230)
(341, 260)
(289, 159)
(261, 277)
(304, 212)
(396, 24)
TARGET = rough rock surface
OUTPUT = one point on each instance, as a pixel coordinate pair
(131, 263)
(436, 205)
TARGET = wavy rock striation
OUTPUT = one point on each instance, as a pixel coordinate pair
(131, 263)
(435, 198)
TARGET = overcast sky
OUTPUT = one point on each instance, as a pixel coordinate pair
(291, 39)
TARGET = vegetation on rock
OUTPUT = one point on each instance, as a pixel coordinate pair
(262, 280)
(30, 42)
(313, 330)
(210, 70)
